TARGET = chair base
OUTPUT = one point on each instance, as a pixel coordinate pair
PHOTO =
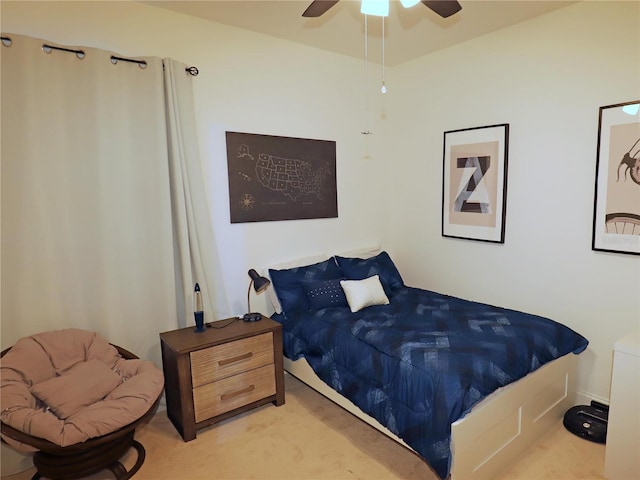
(70, 465)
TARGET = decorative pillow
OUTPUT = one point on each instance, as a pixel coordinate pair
(288, 283)
(325, 293)
(381, 264)
(271, 293)
(84, 384)
(364, 293)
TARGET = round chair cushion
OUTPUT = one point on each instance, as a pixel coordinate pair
(68, 386)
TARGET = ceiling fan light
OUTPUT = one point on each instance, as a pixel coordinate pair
(379, 8)
(631, 109)
(408, 3)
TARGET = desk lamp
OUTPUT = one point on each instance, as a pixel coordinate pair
(260, 284)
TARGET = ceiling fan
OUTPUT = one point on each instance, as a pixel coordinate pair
(444, 8)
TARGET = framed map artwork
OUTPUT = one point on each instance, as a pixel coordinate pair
(616, 212)
(474, 183)
(280, 178)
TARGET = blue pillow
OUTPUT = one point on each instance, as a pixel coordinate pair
(288, 283)
(325, 293)
(381, 265)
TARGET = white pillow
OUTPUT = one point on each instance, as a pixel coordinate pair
(366, 252)
(300, 262)
(364, 293)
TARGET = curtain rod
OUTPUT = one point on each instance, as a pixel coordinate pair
(6, 41)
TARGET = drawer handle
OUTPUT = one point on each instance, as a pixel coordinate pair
(227, 396)
(227, 361)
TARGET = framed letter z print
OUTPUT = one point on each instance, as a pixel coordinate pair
(474, 183)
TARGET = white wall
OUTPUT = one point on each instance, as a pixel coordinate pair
(546, 77)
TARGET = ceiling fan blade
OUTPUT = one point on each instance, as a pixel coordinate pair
(444, 8)
(318, 7)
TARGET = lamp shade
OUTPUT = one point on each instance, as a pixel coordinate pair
(260, 283)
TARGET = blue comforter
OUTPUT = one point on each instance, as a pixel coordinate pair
(420, 363)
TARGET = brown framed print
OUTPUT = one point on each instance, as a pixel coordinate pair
(280, 178)
(616, 211)
(474, 183)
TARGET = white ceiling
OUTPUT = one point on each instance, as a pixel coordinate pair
(409, 33)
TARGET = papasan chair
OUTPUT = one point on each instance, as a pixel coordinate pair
(75, 400)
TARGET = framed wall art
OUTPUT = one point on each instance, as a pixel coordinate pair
(280, 178)
(616, 212)
(474, 183)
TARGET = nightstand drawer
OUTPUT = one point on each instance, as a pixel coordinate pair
(233, 392)
(215, 363)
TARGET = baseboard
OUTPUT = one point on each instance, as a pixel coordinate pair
(584, 398)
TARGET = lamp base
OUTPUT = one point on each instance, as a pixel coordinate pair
(199, 316)
(252, 317)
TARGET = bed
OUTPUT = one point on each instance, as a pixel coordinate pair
(467, 386)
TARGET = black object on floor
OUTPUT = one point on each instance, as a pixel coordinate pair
(588, 421)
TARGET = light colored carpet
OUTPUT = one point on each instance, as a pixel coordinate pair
(311, 438)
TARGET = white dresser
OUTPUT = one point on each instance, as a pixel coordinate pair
(622, 457)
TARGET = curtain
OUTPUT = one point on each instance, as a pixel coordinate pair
(196, 252)
(88, 236)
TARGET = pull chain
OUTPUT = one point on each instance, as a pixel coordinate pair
(366, 77)
(384, 87)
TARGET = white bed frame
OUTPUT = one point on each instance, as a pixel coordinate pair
(499, 429)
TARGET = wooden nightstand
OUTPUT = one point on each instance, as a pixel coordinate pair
(221, 372)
